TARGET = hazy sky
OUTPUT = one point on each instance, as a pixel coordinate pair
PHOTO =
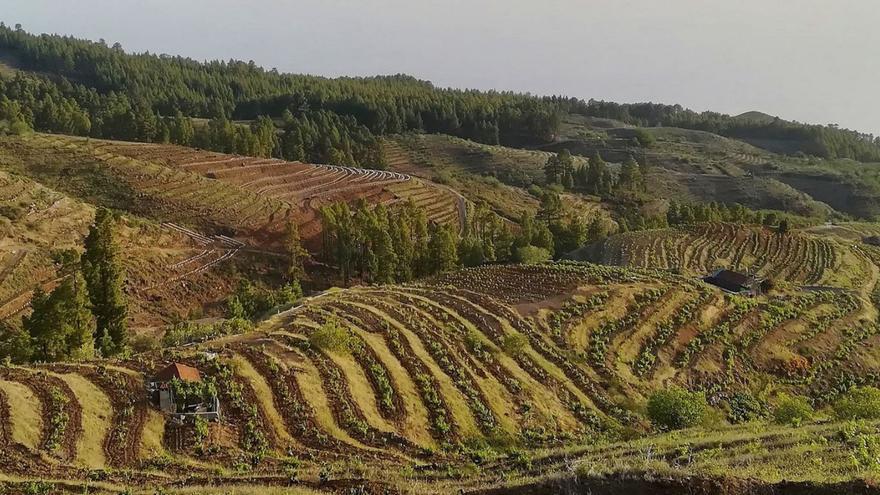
(810, 60)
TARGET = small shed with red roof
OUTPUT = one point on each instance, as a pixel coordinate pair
(174, 376)
(179, 371)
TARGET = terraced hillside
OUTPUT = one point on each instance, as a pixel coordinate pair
(497, 175)
(170, 268)
(305, 186)
(696, 166)
(503, 356)
(244, 197)
(798, 257)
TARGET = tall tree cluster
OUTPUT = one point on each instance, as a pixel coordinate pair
(102, 269)
(594, 177)
(379, 245)
(85, 314)
(60, 326)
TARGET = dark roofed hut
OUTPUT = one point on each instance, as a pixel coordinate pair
(734, 282)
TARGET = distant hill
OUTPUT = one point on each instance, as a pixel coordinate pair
(755, 116)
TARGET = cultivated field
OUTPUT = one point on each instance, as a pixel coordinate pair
(496, 175)
(304, 186)
(247, 198)
(171, 269)
(798, 257)
(507, 357)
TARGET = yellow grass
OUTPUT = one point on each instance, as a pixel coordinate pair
(613, 309)
(416, 423)
(545, 403)
(24, 411)
(264, 395)
(456, 402)
(151, 438)
(240, 490)
(497, 398)
(361, 391)
(309, 381)
(97, 413)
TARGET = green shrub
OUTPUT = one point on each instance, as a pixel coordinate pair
(514, 344)
(13, 212)
(744, 407)
(331, 337)
(645, 138)
(859, 403)
(251, 301)
(532, 254)
(676, 408)
(185, 332)
(863, 443)
(474, 342)
(792, 410)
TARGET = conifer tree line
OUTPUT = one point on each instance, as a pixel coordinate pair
(84, 316)
(381, 245)
(102, 91)
(678, 213)
(373, 243)
(594, 176)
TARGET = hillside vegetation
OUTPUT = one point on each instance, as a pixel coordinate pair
(521, 304)
(227, 194)
(482, 360)
(796, 257)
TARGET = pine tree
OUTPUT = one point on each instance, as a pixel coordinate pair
(383, 245)
(470, 251)
(559, 168)
(630, 176)
(403, 243)
(60, 325)
(596, 232)
(543, 237)
(421, 239)
(443, 249)
(527, 230)
(551, 207)
(296, 253)
(104, 277)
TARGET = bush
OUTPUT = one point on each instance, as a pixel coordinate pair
(331, 337)
(15, 344)
(13, 212)
(532, 254)
(676, 408)
(792, 410)
(645, 138)
(859, 403)
(251, 301)
(863, 443)
(536, 191)
(514, 344)
(443, 177)
(744, 407)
